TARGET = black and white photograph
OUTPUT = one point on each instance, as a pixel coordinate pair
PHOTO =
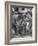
(21, 22)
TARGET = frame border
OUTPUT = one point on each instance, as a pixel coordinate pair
(7, 23)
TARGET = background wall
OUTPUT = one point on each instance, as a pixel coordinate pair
(2, 21)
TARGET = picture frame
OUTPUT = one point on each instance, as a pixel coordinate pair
(15, 31)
